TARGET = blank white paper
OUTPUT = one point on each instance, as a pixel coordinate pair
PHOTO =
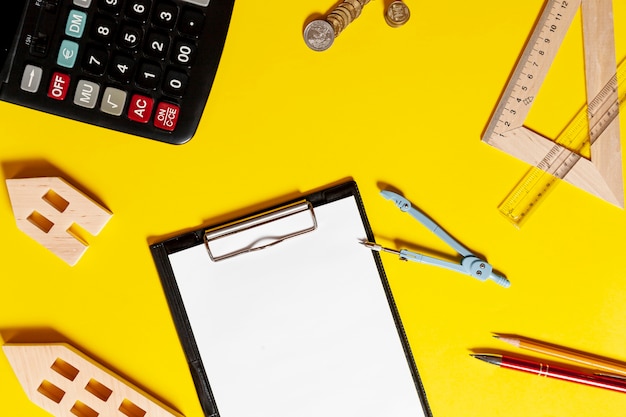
(299, 329)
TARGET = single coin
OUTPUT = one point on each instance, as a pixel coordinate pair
(319, 35)
(397, 14)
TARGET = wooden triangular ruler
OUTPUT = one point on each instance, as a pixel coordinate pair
(601, 175)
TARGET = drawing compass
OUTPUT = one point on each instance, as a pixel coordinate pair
(470, 264)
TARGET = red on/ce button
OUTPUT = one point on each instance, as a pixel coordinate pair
(140, 108)
(59, 84)
(166, 116)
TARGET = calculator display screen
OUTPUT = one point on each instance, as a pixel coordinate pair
(10, 19)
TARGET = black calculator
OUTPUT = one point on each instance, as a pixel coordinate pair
(143, 67)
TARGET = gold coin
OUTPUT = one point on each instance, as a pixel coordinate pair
(334, 22)
(358, 7)
(350, 8)
(346, 15)
(397, 14)
(340, 19)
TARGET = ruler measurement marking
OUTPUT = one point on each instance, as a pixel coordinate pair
(566, 159)
(522, 91)
(544, 42)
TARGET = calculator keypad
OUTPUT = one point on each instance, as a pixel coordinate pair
(131, 60)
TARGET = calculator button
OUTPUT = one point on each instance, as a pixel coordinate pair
(175, 83)
(121, 69)
(149, 75)
(31, 78)
(191, 22)
(138, 9)
(166, 116)
(157, 44)
(165, 15)
(59, 84)
(140, 108)
(103, 29)
(67, 54)
(183, 52)
(130, 37)
(82, 3)
(112, 6)
(95, 60)
(86, 94)
(113, 101)
(75, 25)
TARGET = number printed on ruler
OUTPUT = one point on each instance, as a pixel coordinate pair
(535, 63)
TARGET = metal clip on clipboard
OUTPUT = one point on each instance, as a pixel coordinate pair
(260, 231)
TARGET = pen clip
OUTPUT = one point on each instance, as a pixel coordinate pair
(260, 231)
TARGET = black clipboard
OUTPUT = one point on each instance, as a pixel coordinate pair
(283, 313)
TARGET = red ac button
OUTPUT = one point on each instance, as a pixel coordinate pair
(59, 84)
(140, 108)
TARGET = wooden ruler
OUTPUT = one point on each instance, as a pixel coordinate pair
(590, 122)
(601, 175)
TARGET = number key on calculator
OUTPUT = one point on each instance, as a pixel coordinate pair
(143, 67)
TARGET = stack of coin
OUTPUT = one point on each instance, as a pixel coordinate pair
(397, 14)
(345, 13)
(320, 33)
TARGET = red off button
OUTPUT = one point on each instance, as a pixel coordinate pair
(140, 108)
(59, 84)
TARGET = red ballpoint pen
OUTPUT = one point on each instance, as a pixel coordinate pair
(554, 371)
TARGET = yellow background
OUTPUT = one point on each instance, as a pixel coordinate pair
(404, 106)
